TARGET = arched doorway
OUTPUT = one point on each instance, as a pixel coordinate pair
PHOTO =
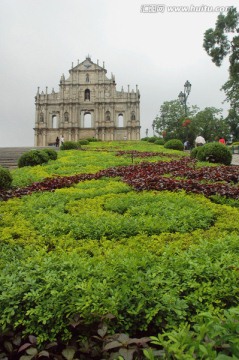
(87, 120)
(54, 122)
(120, 120)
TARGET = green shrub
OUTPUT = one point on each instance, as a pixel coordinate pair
(33, 158)
(160, 142)
(5, 178)
(145, 138)
(212, 337)
(83, 142)
(52, 154)
(223, 200)
(174, 144)
(92, 139)
(69, 145)
(152, 139)
(52, 287)
(215, 153)
(194, 152)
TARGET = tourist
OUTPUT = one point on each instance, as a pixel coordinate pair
(199, 141)
(62, 140)
(222, 141)
(186, 145)
(57, 141)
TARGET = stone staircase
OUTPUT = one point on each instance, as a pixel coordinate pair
(9, 155)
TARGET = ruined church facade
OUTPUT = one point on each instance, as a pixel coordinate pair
(86, 106)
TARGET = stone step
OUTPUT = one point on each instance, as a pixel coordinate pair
(9, 156)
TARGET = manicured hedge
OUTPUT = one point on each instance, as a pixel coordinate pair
(5, 178)
(69, 145)
(52, 154)
(215, 153)
(174, 144)
(33, 158)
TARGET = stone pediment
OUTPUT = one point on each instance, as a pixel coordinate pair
(87, 65)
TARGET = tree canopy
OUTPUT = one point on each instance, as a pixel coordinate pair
(210, 124)
(223, 41)
(172, 123)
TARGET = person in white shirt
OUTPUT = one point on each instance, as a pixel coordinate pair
(200, 141)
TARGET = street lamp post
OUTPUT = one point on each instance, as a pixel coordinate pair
(153, 126)
(183, 96)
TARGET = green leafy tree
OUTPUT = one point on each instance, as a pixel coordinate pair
(171, 122)
(210, 124)
(233, 121)
(223, 41)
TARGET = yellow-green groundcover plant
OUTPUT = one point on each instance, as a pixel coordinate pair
(151, 262)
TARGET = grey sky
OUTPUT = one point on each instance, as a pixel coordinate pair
(39, 40)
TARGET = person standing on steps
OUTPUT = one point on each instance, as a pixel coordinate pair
(57, 141)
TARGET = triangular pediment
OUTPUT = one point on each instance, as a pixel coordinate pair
(87, 65)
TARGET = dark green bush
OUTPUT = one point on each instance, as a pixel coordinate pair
(92, 139)
(160, 142)
(152, 139)
(69, 145)
(215, 153)
(194, 152)
(33, 158)
(174, 144)
(145, 138)
(83, 142)
(52, 154)
(5, 178)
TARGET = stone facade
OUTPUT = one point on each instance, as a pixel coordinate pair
(87, 105)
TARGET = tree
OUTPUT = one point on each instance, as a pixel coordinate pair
(210, 124)
(218, 44)
(171, 122)
(233, 121)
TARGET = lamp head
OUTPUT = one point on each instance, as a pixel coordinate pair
(181, 97)
(187, 87)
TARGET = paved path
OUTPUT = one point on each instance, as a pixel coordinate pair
(9, 155)
(235, 159)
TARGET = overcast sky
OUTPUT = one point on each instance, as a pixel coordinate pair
(39, 40)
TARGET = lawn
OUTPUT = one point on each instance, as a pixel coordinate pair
(113, 244)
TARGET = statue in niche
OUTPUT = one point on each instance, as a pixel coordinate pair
(87, 94)
(66, 117)
(107, 116)
(41, 117)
